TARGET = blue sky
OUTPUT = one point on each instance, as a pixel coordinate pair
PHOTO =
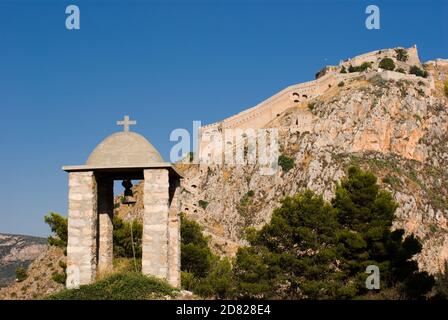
(165, 63)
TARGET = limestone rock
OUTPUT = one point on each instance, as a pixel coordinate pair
(396, 128)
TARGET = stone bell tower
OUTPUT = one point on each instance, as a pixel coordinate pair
(122, 156)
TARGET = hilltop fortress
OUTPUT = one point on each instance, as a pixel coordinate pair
(262, 114)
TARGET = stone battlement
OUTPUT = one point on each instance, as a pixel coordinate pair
(377, 55)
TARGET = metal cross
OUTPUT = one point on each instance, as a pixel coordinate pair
(126, 123)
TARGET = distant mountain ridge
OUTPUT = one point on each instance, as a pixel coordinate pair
(17, 251)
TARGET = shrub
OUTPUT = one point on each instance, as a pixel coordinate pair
(195, 253)
(203, 204)
(391, 180)
(245, 203)
(191, 232)
(441, 287)
(21, 274)
(59, 277)
(401, 54)
(121, 264)
(445, 88)
(418, 72)
(378, 80)
(321, 73)
(341, 84)
(195, 259)
(343, 70)
(363, 67)
(120, 286)
(285, 162)
(188, 280)
(401, 70)
(58, 226)
(219, 283)
(203, 272)
(433, 228)
(62, 264)
(311, 106)
(387, 64)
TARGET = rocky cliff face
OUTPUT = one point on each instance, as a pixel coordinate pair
(397, 129)
(39, 282)
(17, 251)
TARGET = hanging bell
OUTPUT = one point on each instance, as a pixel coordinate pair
(128, 195)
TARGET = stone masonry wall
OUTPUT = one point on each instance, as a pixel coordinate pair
(155, 223)
(174, 235)
(105, 228)
(82, 229)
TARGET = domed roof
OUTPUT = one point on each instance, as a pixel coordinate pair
(124, 149)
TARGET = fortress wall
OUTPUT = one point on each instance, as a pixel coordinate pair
(261, 114)
(374, 56)
(258, 116)
(378, 55)
(440, 62)
(254, 117)
(413, 56)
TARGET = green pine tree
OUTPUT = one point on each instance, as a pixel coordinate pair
(319, 250)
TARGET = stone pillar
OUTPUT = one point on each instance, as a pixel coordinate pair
(105, 226)
(155, 223)
(174, 235)
(82, 229)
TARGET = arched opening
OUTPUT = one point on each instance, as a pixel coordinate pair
(296, 97)
(127, 226)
